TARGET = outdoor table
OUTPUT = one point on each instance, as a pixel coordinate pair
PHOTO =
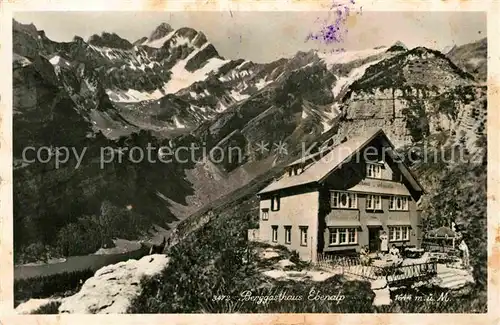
(387, 262)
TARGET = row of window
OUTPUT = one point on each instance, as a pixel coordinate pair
(348, 200)
(343, 236)
(349, 236)
(340, 236)
(288, 234)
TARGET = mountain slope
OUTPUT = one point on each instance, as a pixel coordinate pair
(472, 58)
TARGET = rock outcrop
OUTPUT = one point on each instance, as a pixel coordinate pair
(112, 288)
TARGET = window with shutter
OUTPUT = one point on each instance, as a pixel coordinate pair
(344, 200)
(398, 203)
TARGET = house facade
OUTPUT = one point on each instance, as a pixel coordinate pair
(340, 200)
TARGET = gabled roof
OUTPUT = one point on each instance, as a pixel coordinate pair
(331, 160)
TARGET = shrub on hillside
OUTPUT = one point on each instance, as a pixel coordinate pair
(294, 257)
(80, 238)
(35, 252)
(89, 233)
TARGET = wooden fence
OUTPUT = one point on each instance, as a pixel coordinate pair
(394, 274)
(350, 265)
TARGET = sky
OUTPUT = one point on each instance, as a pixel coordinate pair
(267, 36)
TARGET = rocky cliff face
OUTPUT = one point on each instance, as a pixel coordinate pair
(112, 288)
(44, 112)
(413, 96)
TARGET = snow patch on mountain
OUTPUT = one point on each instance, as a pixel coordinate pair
(91, 85)
(181, 78)
(133, 95)
(343, 57)
(356, 73)
(322, 115)
(327, 119)
(106, 51)
(238, 96)
(178, 124)
(262, 83)
(221, 107)
(143, 66)
(159, 42)
(475, 62)
(195, 108)
(56, 60)
(235, 75)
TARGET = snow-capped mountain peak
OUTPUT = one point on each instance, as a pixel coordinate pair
(342, 57)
